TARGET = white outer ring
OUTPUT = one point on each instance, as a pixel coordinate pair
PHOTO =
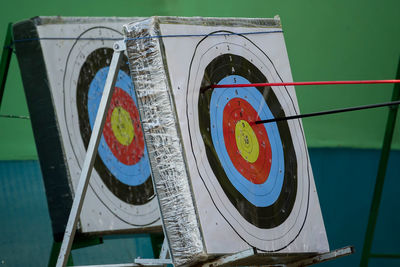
(265, 239)
(137, 215)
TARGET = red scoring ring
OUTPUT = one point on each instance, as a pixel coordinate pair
(239, 109)
(132, 153)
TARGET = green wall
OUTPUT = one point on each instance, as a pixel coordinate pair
(326, 40)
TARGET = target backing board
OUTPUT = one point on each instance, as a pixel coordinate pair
(237, 185)
(64, 63)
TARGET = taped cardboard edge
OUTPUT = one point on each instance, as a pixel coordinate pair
(167, 161)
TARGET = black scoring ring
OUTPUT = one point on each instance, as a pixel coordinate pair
(98, 59)
(262, 217)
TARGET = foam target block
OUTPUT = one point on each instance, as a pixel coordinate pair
(224, 183)
(64, 64)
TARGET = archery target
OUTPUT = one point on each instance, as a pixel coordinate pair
(121, 178)
(238, 185)
(256, 175)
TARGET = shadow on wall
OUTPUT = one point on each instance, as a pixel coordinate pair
(345, 180)
(25, 228)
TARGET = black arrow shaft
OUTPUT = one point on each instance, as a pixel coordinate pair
(14, 116)
(327, 112)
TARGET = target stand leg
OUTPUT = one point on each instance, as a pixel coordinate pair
(5, 60)
(251, 257)
(163, 261)
(164, 254)
(87, 168)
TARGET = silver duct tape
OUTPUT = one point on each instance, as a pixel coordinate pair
(215, 21)
(167, 160)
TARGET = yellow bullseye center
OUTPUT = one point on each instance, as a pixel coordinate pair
(121, 125)
(246, 141)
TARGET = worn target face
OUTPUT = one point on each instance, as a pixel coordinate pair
(256, 175)
(121, 178)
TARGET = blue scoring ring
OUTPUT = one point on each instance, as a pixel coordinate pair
(132, 175)
(260, 195)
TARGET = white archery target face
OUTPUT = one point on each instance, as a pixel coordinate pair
(290, 210)
(120, 182)
(238, 203)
